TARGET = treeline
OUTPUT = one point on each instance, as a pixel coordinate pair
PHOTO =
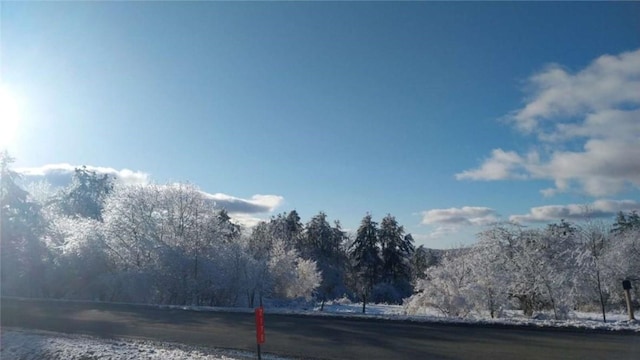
(169, 244)
(560, 268)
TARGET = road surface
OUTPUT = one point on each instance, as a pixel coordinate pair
(316, 337)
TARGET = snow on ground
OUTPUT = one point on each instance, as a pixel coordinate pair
(29, 344)
(17, 344)
(576, 319)
(345, 308)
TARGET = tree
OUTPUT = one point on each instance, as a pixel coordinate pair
(626, 222)
(396, 249)
(489, 275)
(594, 241)
(293, 230)
(230, 231)
(24, 256)
(622, 262)
(167, 242)
(446, 288)
(292, 277)
(318, 240)
(323, 244)
(81, 267)
(87, 193)
(365, 254)
(421, 260)
(538, 263)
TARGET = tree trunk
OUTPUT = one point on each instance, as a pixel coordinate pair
(364, 303)
(604, 313)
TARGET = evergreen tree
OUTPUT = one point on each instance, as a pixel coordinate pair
(86, 195)
(229, 231)
(293, 229)
(365, 255)
(421, 260)
(397, 249)
(322, 243)
(626, 222)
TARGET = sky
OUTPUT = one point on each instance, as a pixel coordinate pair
(449, 116)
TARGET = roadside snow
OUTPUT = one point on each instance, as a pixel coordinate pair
(345, 308)
(35, 345)
(576, 320)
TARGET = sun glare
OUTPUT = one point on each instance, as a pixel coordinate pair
(9, 117)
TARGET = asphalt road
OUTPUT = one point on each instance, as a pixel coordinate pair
(318, 337)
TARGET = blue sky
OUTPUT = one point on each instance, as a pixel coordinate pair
(447, 115)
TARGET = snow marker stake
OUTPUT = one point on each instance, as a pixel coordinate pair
(260, 337)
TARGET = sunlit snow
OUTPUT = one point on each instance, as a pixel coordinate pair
(36, 345)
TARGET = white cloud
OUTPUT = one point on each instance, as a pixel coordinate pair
(597, 209)
(246, 220)
(445, 237)
(61, 174)
(501, 165)
(467, 215)
(246, 212)
(588, 127)
(442, 232)
(257, 203)
(458, 223)
(608, 82)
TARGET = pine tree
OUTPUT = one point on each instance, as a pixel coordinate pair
(293, 229)
(397, 249)
(365, 254)
(323, 244)
(421, 260)
(86, 195)
(626, 222)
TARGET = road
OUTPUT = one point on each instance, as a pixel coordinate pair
(317, 337)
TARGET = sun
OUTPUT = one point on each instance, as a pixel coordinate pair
(9, 117)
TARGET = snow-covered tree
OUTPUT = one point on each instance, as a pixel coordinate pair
(324, 244)
(396, 251)
(81, 267)
(25, 257)
(86, 194)
(422, 259)
(622, 262)
(169, 237)
(594, 241)
(446, 287)
(626, 222)
(365, 255)
(489, 271)
(292, 277)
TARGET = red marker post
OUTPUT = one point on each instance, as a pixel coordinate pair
(260, 329)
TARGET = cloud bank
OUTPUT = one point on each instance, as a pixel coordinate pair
(467, 215)
(587, 126)
(576, 212)
(61, 174)
(257, 203)
(451, 221)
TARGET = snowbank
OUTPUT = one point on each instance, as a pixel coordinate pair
(345, 308)
(36, 345)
